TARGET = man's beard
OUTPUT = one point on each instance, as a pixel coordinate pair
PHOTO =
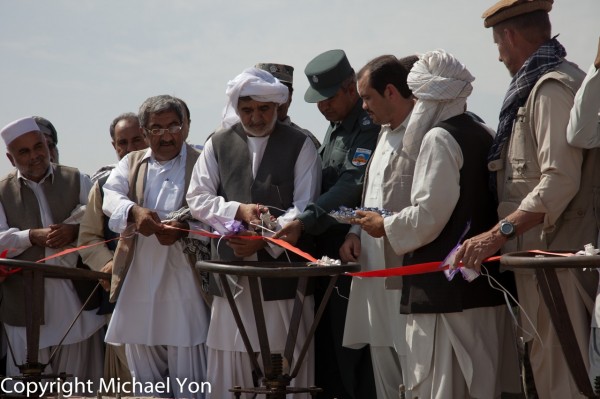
(261, 132)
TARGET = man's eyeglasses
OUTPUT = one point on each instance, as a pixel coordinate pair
(160, 132)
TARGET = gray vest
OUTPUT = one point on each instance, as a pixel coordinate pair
(273, 186)
(23, 212)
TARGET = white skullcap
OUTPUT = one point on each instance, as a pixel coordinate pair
(18, 128)
(254, 83)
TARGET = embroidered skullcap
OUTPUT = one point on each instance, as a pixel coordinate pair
(18, 128)
(284, 73)
(254, 83)
(506, 9)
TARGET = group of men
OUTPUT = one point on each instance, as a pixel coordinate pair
(399, 139)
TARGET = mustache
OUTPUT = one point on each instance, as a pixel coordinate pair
(164, 142)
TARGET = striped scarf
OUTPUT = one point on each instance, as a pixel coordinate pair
(546, 58)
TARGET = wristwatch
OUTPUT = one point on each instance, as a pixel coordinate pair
(507, 229)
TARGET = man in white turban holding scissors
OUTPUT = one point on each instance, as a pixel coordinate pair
(253, 159)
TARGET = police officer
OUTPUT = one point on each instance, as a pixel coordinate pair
(348, 145)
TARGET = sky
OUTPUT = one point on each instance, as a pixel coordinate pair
(80, 63)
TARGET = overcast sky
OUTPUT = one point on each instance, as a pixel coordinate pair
(80, 63)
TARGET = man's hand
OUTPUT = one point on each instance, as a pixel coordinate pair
(243, 248)
(350, 249)
(291, 232)
(62, 235)
(39, 237)
(170, 235)
(106, 269)
(371, 222)
(146, 221)
(248, 213)
(476, 249)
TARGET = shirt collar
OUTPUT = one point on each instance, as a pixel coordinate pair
(49, 173)
(182, 154)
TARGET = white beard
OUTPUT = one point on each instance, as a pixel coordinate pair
(267, 130)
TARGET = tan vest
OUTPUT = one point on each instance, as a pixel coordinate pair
(23, 212)
(521, 174)
(138, 168)
(579, 223)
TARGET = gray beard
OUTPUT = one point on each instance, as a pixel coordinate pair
(262, 132)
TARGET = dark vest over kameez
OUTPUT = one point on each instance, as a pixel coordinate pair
(432, 292)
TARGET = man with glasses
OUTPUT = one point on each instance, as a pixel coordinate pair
(160, 315)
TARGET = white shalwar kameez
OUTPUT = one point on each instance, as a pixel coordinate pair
(444, 359)
(81, 353)
(373, 316)
(228, 361)
(584, 131)
(160, 314)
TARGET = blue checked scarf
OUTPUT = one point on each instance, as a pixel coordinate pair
(546, 58)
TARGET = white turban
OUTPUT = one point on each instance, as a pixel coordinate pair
(254, 83)
(441, 85)
(18, 128)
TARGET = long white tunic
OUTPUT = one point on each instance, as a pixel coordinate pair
(212, 209)
(373, 315)
(160, 301)
(61, 302)
(583, 129)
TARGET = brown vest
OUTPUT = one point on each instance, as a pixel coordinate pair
(138, 168)
(23, 212)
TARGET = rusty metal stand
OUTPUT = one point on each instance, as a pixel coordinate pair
(552, 295)
(274, 378)
(33, 275)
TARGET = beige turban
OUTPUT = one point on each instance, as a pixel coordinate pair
(256, 84)
(441, 85)
(18, 128)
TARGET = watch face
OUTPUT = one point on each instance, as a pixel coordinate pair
(507, 228)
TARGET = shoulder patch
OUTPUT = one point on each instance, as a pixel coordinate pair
(361, 156)
(366, 121)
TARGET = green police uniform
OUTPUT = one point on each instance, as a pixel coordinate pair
(342, 372)
(345, 152)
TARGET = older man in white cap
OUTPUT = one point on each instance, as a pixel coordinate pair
(253, 160)
(35, 200)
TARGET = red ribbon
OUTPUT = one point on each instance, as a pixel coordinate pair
(421, 268)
